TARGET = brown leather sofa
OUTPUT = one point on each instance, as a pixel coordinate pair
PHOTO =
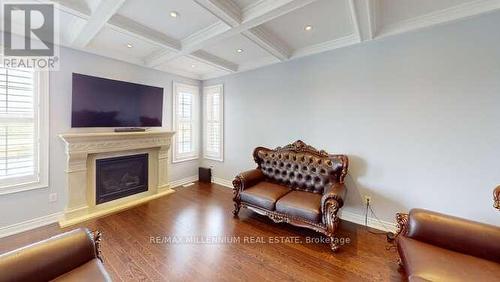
(71, 256)
(438, 247)
(296, 184)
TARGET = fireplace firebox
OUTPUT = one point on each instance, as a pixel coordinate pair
(120, 177)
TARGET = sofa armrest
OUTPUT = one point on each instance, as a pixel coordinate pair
(247, 179)
(48, 259)
(336, 192)
(453, 233)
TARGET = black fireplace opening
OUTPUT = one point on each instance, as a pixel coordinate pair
(120, 177)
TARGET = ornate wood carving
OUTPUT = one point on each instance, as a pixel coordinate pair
(402, 224)
(237, 186)
(496, 198)
(97, 241)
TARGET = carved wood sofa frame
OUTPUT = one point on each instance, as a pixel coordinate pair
(332, 199)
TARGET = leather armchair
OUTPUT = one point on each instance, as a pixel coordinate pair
(438, 247)
(296, 184)
(71, 256)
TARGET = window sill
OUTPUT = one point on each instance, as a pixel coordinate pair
(185, 159)
(214, 159)
(22, 188)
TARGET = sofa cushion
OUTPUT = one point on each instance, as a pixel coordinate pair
(264, 194)
(301, 204)
(91, 271)
(425, 262)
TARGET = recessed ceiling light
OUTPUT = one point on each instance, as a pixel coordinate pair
(130, 45)
(193, 66)
(239, 50)
(308, 28)
(174, 14)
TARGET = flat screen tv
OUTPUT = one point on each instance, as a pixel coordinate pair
(101, 102)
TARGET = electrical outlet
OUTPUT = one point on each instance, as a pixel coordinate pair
(52, 197)
(367, 199)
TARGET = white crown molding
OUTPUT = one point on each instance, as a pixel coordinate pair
(29, 224)
(104, 11)
(461, 11)
(326, 46)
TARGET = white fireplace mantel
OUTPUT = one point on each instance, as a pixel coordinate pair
(82, 149)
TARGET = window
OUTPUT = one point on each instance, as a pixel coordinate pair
(185, 122)
(23, 129)
(213, 122)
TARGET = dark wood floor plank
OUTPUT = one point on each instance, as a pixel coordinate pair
(205, 210)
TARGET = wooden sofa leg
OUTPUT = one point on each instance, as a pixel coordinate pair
(237, 207)
(334, 245)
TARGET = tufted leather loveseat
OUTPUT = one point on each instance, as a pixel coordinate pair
(296, 184)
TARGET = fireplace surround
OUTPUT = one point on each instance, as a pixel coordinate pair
(85, 150)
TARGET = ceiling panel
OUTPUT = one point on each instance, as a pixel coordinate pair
(329, 20)
(155, 14)
(187, 65)
(393, 11)
(114, 44)
(227, 49)
(68, 27)
(245, 3)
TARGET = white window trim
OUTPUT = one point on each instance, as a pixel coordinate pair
(41, 100)
(196, 122)
(220, 89)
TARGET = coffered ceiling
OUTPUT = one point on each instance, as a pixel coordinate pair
(203, 39)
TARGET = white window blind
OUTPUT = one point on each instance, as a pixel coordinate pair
(213, 122)
(185, 122)
(20, 130)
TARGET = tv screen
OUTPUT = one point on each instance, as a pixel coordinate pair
(101, 102)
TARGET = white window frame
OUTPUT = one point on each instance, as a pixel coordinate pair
(41, 149)
(206, 153)
(195, 122)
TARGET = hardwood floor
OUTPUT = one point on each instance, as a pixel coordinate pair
(203, 211)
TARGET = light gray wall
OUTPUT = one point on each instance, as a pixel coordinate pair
(19, 207)
(418, 114)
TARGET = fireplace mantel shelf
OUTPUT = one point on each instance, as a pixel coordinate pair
(82, 151)
(96, 142)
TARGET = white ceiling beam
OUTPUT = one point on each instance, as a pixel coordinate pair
(214, 61)
(225, 10)
(257, 14)
(363, 18)
(270, 43)
(103, 12)
(132, 28)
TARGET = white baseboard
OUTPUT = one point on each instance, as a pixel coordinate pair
(344, 215)
(372, 222)
(222, 182)
(29, 224)
(183, 181)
